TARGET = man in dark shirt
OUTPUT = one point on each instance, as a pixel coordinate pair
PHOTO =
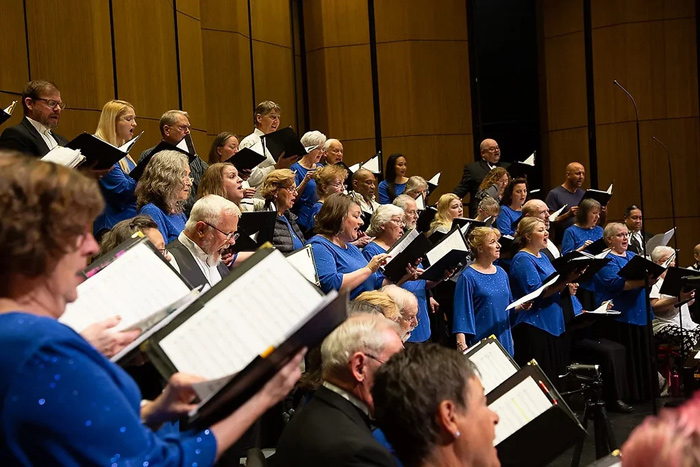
(568, 193)
(475, 172)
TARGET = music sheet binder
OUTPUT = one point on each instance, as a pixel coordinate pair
(466, 225)
(162, 146)
(303, 261)
(522, 168)
(597, 247)
(494, 363)
(444, 255)
(408, 249)
(246, 159)
(283, 141)
(238, 339)
(97, 151)
(6, 113)
(256, 228)
(679, 280)
(574, 260)
(425, 218)
(536, 425)
(638, 267)
(603, 197)
(433, 182)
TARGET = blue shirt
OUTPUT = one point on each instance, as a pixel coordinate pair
(304, 204)
(296, 241)
(63, 403)
(607, 285)
(527, 274)
(575, 236)
(505, 220)
(169, 225)
(120, 202)
(332, 262)
(383, 192)
(480, 307)
(315, 209)
(422, 332)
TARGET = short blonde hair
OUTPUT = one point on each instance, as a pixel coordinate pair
(273, 182)
(479, 236)
(386, 304)
(161, 180)
(526, 226)
(325, 176)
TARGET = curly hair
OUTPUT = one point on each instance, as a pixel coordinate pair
(273, 182)
(493, 177)
(326, 175)
(123, 230)
(161, 181)
(329, 220)
(44, 208)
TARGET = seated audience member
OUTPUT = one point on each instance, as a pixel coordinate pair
(116, 126)
(224, 146)
(585, 230)
(633, 221)
(266, 118)
(493, 185)
(408, 311)
(334, 428)
(628, 329)
(174, 126)
(449, 206)
(332, 152)
(567, 194)
(280, 193)
(483, 294)
(125, 229)
(211, 229)
(304, 177)
(42, 107)
(431, 406)
(410, 210)
(670, 439)
(87, 409)
(488, 208)
(395, 179)
(416, 186)
(163, 190)
(341, 265)
(475, 172)
(511, 206)
(328, 180)
(363, 184)
(672, 324)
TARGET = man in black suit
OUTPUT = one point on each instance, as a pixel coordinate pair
(42, 105)
(475, 172)
(210, 229)
(334, 427)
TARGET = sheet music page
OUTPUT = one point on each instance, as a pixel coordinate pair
(493, 365)
(126, 147)
(372, 165)
(206, 389)
(354, 167)
(532, 295)
(402, 244)
(603, 310)
(530, 160)
(454, 241)
(610, 188)
(659, 240)
(518, 407)
(697, 356)
(64, 156)
(557, 213)
(258, 310)
(420, 203)
(436, 179)
(10, 108)
(303, 261)
(138, 299)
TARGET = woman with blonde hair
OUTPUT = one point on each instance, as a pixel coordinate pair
(449, 206)
(280, 193)
(162, 191)
(116, 126)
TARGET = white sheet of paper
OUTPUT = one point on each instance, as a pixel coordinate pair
(310, 148)
(436, 179)
(303, 261)
(532, 295)
(10, 108)
(553, 216)
(697, 356)
(372, 165)
(126, 147)
(137, 300)
(453, 241)
(603, 310)
(530, 160)
(354, 167)
(66, 157)
(420, 203)
(536, 190)
(610, 188)
(660, 240)
(603, 253)
(518, 407)
(402, 244)
(493, 365)
(243, 320)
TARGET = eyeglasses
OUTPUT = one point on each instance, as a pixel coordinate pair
(290, 188)
(374, 358)
(185, 178)
(229, 235)
(183, 127)
(493, 149)
(52, 103)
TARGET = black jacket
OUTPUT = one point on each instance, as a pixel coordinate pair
(23, 137)
(189, 269)
(472, 177)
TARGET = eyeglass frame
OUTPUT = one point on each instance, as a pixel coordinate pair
(61, 105)
(235, 235)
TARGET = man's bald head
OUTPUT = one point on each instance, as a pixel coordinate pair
(575, 175)
(490, 151)
(536, 208)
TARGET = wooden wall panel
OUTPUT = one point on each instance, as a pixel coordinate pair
(565, 146)
(560, 17)
(226, 15)
(14, 71)
(607, 13)
(192, 75)
(274, 79)
(357, 150)
(410, 20)
(271, 22)
(566, 81)
(335, 23)
(79, 60)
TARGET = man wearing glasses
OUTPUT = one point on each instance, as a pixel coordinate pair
(210, 230)
(42, 105)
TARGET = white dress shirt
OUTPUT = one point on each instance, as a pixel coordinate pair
(265, 167)
(45, 133)
(211, 273)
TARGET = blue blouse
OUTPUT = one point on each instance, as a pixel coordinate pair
(607, 285)
(527, 273)
(480, 307)
(332, 262)
(63, 403)
(575, 236)
(169, 225)
(304, 204)
(506, 218)
(422, 332)
(383, 192)
(296, 241)
(120, 202)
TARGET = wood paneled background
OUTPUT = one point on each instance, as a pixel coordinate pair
(218, 58)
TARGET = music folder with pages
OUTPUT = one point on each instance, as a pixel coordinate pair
(284, 141)
(185, 146)
(238, 334)
(256, 228)
(425, 218)
(444, 255)
(303, 261)
(96, 151)
(408, 249)
(247, 159)
(6, 113)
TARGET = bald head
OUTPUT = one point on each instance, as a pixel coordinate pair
(490, 151)
(334, 151)
(575, 175)
(363, 182)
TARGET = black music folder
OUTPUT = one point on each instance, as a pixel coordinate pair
(536, 425)
(445, 254)
(638, 267)
(6, 113)
(433, 182)
(255, 228)
(408, 249)
(574, 260)
(597, 247)
(522, 169)
(97, 151)
(603, 197)
(466, 225)
(246, 159)
(425, 218)
(237, 335)
(162, 146)
(679, 280)
(283, 141)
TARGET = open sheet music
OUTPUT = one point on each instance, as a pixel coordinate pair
(534, 294)
(659, 240)
(304, 262)
(518, 407)
(493, 363)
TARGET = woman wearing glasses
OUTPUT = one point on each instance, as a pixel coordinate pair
(280, 193)
(163, 190)
(329, 180)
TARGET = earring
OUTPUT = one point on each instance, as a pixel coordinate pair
(457, 434)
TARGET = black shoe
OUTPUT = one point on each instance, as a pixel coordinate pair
(619, 407)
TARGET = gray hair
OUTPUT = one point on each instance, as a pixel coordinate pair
(170, 117)
(401, 201)
(327, 144)
(661, 251)
(402, 297)
(313, 138)
(489, 203)
(381, 216)
(360, 306)
(161, 180)
(211, 209)
(416, 183)
(264, 108)
(612, 228)
(362, 332)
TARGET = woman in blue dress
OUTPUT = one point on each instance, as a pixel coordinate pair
(395, 179)
(538, 332)
(304, 177)
(483, 294)
(629, 297)
(63, 402)
(585, 230)
(511, 206)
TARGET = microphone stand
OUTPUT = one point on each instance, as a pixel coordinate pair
(653, 380)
